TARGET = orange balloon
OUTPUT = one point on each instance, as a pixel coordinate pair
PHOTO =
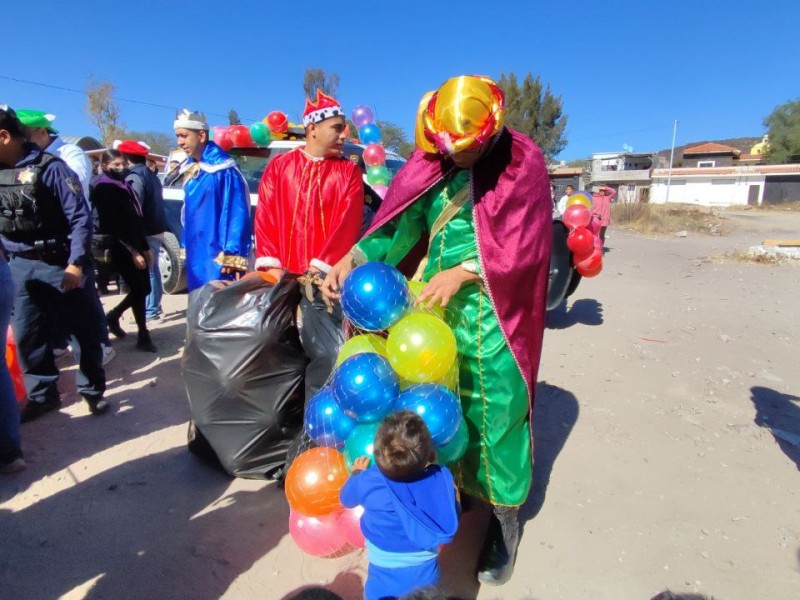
(314, 480)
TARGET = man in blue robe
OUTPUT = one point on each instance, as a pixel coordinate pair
(216, 232)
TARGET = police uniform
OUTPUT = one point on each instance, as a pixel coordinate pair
(46, 225)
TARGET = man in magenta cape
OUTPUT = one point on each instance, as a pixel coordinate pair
(460, 127)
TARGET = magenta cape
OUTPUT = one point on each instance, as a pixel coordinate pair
(513, 225)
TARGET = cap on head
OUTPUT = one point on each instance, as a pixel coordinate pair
(37, 118)
(187, 119)
(323, 108)
(131, 147)
(464, 112)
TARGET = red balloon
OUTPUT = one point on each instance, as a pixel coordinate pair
(12, 361)
(591, 266)
(277, 122)
(222, 138)
(580, 241)
(350, 526)
(314, 480)
(318, 536)
(576, 216)
(374, 155)
(240, 136)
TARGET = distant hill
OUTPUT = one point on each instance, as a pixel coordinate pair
(741, 143)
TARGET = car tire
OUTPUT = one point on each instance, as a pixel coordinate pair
(173, 267)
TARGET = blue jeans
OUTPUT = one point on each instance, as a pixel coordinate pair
(153, 307)
(40, 303)
(9, 409)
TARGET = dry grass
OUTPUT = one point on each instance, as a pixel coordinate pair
(744, 256)
(658, 219)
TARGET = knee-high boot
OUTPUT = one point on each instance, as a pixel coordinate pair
(496, 564)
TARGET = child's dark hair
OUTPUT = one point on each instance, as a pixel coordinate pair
(10, 122)
(109, 155)
(403, 446)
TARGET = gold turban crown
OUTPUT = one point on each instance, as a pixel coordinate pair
(464, 112)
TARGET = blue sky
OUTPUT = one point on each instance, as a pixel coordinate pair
(625, 69)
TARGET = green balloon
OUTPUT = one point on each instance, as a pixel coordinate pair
(360, 443)
(455, 448)
(260, 133)
(210, 134)
(378, 175)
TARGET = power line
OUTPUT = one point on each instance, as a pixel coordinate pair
(118, 98)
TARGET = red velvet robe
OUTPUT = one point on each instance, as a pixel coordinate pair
(309, 212)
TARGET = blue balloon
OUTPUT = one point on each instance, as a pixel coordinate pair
(365, 386)
(438, 406)
(455, 448)
(325, 422)
(369, 134)
(375, 296)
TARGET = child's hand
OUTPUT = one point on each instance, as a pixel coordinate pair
(361, 463)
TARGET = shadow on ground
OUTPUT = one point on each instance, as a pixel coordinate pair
(780, 413)
(586, 311)
(103, 534)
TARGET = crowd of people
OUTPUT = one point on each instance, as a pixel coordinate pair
(472, 199)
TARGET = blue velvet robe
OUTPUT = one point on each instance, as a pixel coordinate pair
(217, 231)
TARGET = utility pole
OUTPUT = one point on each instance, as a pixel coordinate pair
(671, 158)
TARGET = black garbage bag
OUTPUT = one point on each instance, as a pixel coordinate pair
(244, 367)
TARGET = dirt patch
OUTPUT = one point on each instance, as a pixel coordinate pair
(658, 220)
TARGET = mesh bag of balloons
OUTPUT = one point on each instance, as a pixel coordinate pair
(583, 241)
(402, 357)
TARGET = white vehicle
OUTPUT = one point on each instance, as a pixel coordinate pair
(252, 162)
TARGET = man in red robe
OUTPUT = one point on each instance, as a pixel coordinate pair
(309, 215)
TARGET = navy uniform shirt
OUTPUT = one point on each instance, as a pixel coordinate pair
(66, 186)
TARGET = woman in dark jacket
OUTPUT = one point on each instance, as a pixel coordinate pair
(118, 217)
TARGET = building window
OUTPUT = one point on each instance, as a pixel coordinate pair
(706, 164)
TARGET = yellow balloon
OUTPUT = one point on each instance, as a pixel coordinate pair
(360, 344)
(579, 199)
(421, 348)
(416, 287)
(450, 381)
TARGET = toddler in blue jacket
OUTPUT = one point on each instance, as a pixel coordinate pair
(410, 507)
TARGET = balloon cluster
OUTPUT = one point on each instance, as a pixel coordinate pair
(401, 359)
(261, 133)
(378, 176)
(585, 245)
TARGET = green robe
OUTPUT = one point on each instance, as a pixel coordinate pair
(494, 398)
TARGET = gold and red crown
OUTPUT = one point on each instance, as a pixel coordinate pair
(324, 108)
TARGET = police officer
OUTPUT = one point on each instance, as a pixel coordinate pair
(46, 227)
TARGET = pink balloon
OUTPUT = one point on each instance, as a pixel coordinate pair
(381, 190)
(350, 526)
(318, 536)
(577, 215)
(374, 155)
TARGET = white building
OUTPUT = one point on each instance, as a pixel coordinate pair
(627, 172)
(719, 186)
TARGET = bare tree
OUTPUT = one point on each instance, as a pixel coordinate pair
(103, 110)
(315, 79)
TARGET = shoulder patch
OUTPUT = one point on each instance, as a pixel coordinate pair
(354, 158)
(74, 185)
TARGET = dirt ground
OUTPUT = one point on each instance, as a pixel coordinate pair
(667, 430)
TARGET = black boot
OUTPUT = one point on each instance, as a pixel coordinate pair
(144, 343)
(112, 321)
(496, 564)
